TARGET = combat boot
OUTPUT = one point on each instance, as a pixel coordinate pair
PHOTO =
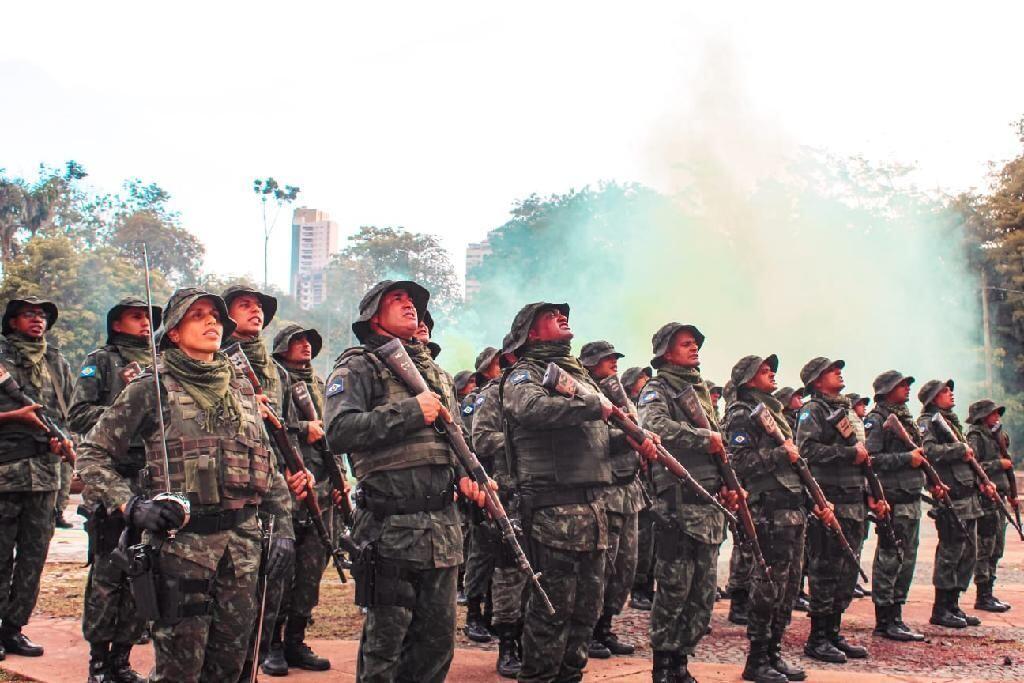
(790, 671)
(475, 629)
(296, 652)
(273, 662)
(801, 604)
(666, 667)
(758, 668)
(955, 609)
(597, 650)
(942, 615)
(738, 605)
(98, 670)
(640, 600)
(603, 633)
(120, 667)
(987, 602)
(898, 620)
(886, 626)
(17, 643)
(818, 645)
(508, 650)
(847, 648)
(683, 672)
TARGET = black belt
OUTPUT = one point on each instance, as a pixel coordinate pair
(779, 500)
(835, 495)
(898, 496)
(553, 498)
(385, 506)
(225, 520)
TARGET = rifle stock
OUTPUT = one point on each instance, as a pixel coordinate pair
(304, 402)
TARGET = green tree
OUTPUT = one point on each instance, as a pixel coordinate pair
(269, 190)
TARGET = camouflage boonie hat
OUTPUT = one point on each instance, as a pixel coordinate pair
(283, 338)
(268, 302)
(889, 380)
(124, 304)
(178, 305)
(785, 395)
(503, 359)
(979, 410)
(930, 389)
(461, 379)
(49, 308)
(485, 358)
(594, 352)
(715, 389)
(521, 324)
(428, 320)
(631, 375)
(371, 302)
(857, 398)
(816, 367)
(662, 338)
(746, 368)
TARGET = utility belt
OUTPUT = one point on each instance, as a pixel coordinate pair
(958, 491)
(223, 520)
(770, 501)
(679, 494)
(623, 480)
(384, 506)
(30, 447)
(531, 501)
(846, 496)
(901, 496)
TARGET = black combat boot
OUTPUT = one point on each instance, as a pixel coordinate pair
(273, 662)
(475, 629)
(942, 615)
(603, 634)
(296, 652)
(886, 626)
(849, 649)
(801, 603)
(987, 602)
(790, 671)
(898, 620)
(597, 650)
(738, 605)
(120, 665)
(818, 645)
(144, 637)
(640, 600)
(98, 669)
(666, 667)
(954, 607)
(683, 672)
(508, 650)
(758, 667)
(17, 643)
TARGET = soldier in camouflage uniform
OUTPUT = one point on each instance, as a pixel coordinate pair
(776, 499)
(405, 517)
(837, 467)
(642, 594)
(858, 409)
(792, 400)
(983, 436)
(624, 500)
(562, 449)
(716, 395)
(28, 462)
(954, 553)
(687, 548)
(218, 456)
(110, 621)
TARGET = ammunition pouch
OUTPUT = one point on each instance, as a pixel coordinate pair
(382, 583)
(384, 506)
(668, 544)
(103, 529)
(988, 524)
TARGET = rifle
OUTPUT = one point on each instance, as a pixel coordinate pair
(397, 359)
(304, 402)
(840, 421)
(1011, 476)
(268, 540)
(690, 404)
(558, 380)
(293, 461)
(616, 393)
(10, 386)
(940, 421)
(893, 424)
(767, 422)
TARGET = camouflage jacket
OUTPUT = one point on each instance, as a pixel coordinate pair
(26, 463)
(488, 437)
(986, 450)
(831, 460)
(298, 429)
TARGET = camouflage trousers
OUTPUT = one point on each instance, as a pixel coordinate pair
(209, 648)
(771, 606)
(991, 543)
(890, 578)
(955, 553)
(483, 547)
(687, 581)
(64, 492)
(508, 595)
(644, 575)
(555, 646)
(411, 644)
(620, 565)
(26, 526)
(109, 615)
(741, 564)
(832, 575)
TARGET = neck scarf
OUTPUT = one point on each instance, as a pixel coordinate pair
(421, 358)
(837, 401)
(559, 353)
(133, 349)
(902, 413)
(209, 384)
(773, 405)
(32, 353)
(308, 375)
(678, 377)
(954, 422)
(262, 364)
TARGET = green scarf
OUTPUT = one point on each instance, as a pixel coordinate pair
(133, 349)
(902, 413)
(209, 384)
(262, 364)
(954, 422)
(837, 401)
(559, 353)
(308, 375)
(773, 405)
(678, 377)
(33, 352)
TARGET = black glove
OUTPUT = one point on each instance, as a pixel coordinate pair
(282, 555)
(154, 515)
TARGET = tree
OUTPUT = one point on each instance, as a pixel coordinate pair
(268, 189)
(173, 250)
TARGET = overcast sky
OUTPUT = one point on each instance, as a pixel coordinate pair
(436, 116)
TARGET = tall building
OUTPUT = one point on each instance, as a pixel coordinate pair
(314, 240)
(476, 252)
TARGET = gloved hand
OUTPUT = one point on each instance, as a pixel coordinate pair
(154, 515)
(282, 555)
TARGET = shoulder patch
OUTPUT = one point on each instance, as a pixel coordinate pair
(871, 422)
(88, 371)
(647, 397)
(468, 407)
(479, 401)
(740, 438)
(336, 386)
(519, 376)
(804, 414)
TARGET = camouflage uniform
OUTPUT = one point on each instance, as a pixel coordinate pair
(991, 525)
(28, 473)
(109, 615)
(208, 572)
(687, 549)
(643, 575)
(405, 511)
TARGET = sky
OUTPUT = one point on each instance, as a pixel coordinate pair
(438, 116)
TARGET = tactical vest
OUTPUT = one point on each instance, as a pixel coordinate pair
(782, 477)
(700, 464)
(425, 446)
(907, 481)
(844, 477)
(227, 470)
(990, 453)
(957, 474)
(575, 455)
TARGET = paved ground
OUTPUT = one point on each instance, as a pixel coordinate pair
(992, 652)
